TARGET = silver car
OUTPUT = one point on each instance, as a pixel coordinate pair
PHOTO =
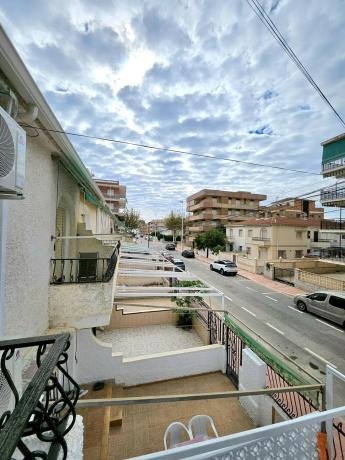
(330, 305)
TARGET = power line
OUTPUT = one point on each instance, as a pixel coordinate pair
(167, 149)
(272, 28)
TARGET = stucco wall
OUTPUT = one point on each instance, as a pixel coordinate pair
(81, 305)
(120, 319)
(97, 362)
(31, 222)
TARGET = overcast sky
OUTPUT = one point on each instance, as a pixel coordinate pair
(203, 76)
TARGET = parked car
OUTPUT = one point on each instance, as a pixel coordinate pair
(224, 267)
(328, 304)
(188, 253)
(170, 247)
(167, 255)
(179, 263)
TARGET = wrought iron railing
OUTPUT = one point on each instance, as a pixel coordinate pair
(332, 194)
(333, 253)
(84, 270)
(46, 410)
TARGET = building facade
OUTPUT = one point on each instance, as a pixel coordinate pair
(114, 195)
(293, 208)
(333, 165)
(273, 238)
(212, 208)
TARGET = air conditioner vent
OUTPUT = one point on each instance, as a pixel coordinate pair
(7, 149)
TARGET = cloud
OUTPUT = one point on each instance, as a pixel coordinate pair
(201, 76)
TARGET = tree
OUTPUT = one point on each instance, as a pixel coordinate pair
(173, 223)
(213, 240)
(184, 314)
(132, 219)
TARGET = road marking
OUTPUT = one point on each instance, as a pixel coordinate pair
(320, 357)
(329, 325)
(275, 300)
(276, 329)
(228, 298)
(248, 311)
(295, 309)
(251, 289)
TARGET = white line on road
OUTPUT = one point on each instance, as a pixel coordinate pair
(251, 289)
(275, 300)
(248, 311)
(228, 298)
(329, 325)
(295, 309)
(276, 329)
(319, 357)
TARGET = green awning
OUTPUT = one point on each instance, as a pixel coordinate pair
(333, 151)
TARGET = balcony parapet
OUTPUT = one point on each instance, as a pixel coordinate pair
(45, 411)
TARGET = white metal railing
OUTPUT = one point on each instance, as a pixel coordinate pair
(296, 438)
(320, 280)
(333, 164)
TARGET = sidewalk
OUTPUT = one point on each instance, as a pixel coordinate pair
(260, 279)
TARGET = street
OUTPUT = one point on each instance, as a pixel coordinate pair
(308, 340)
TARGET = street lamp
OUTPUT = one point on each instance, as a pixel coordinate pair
(181, 201)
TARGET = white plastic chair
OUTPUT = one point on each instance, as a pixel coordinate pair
(199, 424)
(175, 433)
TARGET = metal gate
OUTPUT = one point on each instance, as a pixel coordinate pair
(284, 275)
(234, 347)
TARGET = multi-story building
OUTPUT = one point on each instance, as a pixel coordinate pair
(157, 226)
(293, 208)
(115, 196)
(273, 238)
(333, 165)
(211, 208)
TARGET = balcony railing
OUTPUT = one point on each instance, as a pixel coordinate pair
(333, 194)
(80, 270)
(46, 410)
(261, 238)
(332, 165)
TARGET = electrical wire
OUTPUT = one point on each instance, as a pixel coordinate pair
(168, 149)
(272, 28)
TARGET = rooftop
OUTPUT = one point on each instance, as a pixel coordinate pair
(226, 193)
(333, 139)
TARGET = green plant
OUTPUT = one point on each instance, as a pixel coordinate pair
(213, 240)
(185, 317)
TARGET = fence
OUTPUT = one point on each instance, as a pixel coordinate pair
(84, 270)
(314, 279)
(294, 404)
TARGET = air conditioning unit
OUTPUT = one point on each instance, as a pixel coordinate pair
(12, 157)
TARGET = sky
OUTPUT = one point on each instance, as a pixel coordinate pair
(201, 75)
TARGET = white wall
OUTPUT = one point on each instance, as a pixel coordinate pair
(96, 361)
(252, 376)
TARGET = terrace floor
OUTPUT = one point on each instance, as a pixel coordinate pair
(143, 426)
(147, 340)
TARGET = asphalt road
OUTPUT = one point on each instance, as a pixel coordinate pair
(308, 340)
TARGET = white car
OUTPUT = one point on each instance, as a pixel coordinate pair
(224, 267)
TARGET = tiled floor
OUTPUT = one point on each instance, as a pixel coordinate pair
(150, 339)
(143, 426)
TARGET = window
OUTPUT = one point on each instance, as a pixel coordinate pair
(240, 232)
(298, 235)
(250, 233)
(248, 250)
(281, 254)
(298, 253)
(231, 233)
(337, 302)
(319, 296)
(238, 202)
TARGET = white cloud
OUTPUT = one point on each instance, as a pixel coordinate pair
(202, 76)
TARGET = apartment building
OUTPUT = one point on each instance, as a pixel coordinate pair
(333, 165)
(114, 195)
(211, 208)
(293, 208)
(273, 238)
(157, 226)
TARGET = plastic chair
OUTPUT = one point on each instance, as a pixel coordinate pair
(199, 424)
(175, 433)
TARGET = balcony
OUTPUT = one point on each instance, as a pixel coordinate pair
(81, 289)
(334, 168)
(35, 422)
(334, 196)
(262, 240)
